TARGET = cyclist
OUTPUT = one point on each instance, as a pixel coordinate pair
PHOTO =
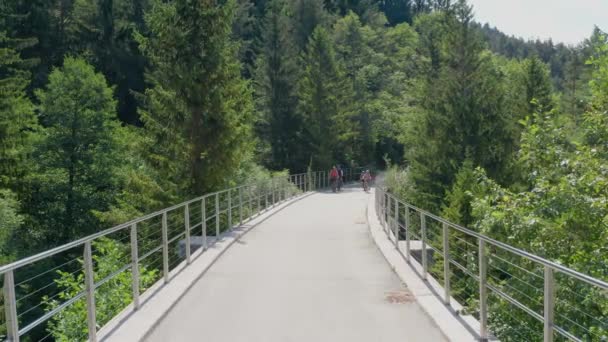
(333, 178)
(340, 177)
(366, 178)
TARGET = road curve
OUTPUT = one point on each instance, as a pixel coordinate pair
(309, 273)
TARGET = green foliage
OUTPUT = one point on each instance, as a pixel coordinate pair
(140, 187)
(76, 157)
(10, 222)
(70, 324)
(537, 84)
(306, 16)
(198, 101)
(103, 31)
(562, 216)
(461, 111)
(321, 92)
(17, 120)
(279, 127)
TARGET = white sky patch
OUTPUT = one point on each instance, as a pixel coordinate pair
(566, 21)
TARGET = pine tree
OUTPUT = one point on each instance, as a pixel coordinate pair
(461, 114)
(306, 16)
(322, 102)
(103, 31)
(198, 102)
(17, 120)
(275, 83)
(575, 89)
(246, 29)
(355, 126)
(76, 158)
(537, 86)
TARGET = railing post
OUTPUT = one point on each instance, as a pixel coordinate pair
(446, 264)
(387, 227)
(251, 198)
(134, 266)
(10, 307)
(272, 187)
(396, 223)
(549, 307)
(407, 233)
(483, 294)
(165, 248)
(187, 228)
(89, 281)
(230, 209)
(425, 263)
(217, 216)
(258, 196)
(265, 199)
(240, 206)
(204, 222)
(387, 208)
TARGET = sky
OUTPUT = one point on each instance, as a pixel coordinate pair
(566, 21)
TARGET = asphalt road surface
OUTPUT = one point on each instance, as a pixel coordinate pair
(309, 273)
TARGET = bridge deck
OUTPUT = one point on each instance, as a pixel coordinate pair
(311, 272)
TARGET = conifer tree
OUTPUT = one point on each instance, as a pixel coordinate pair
(321, 99)
(17, 120)
(76, 158)
(537, 86)
(198, 102)
(461, 115)
(275, 83)
(355, 126)
(306, 16)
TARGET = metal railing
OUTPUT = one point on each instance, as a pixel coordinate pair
(533, 298)
(32, 292)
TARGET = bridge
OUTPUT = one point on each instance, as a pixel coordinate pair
(287, 259)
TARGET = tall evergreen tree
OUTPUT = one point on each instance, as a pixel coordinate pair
(246, 30)
(537, 85)
(355, 127)
(275, 83)
(103, 31)
(322, 102)
(76, 157)
(198, 101)
(306, 16)
(17, 119)
(575, 85)
(461, 115)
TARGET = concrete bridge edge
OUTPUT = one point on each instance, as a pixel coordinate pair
(428, 294)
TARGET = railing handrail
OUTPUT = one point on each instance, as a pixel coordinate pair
(533, 257)
(389, 205)
(73, 244)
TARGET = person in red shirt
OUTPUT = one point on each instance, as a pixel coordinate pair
(333, 178)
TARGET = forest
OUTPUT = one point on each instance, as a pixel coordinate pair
(110, 109)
